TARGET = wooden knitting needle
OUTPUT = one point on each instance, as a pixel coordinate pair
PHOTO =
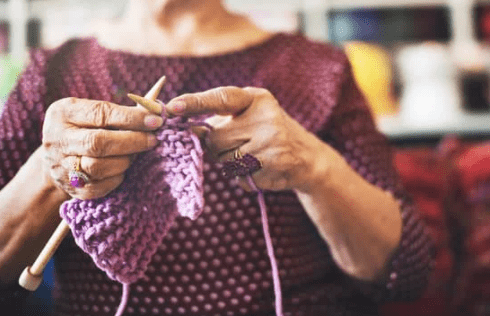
(151, 95)
(32, 276)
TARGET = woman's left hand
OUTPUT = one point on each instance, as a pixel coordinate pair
(360, 222)
(251, 120)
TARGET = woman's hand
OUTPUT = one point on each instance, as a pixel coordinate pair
(360, 222)
(104, 134)
(251, 120)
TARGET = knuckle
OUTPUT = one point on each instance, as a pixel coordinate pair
(99, 113)
(222, 95)
(91, 167)
(60, 106)
(94, 142)
(199, 103)
(53, 114)
(56, 117)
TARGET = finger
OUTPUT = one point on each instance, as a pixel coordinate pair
(94, 188)
(100, 168)
(103, 114)
(222, 101)
(106, 143)
(97, 188)
(226, 134)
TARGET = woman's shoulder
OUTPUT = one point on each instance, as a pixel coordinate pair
(298, 46)
(64, 66)
(71, 47)
(299, 71)
(42, 60)
(294, 59)
(297, 56)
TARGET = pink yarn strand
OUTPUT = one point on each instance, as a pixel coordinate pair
(270, 249)
(124, 300)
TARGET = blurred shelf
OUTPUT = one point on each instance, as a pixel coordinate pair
(343, 4)
(466, 124)
(315, 15)
(271, 5)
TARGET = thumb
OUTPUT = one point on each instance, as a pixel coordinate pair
(222, 101)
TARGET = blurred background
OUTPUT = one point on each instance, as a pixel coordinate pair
(423, 64)
(424, 67)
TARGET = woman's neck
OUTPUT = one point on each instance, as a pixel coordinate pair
(180, 27)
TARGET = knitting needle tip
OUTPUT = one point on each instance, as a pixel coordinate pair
(155, 90)
(152, 106)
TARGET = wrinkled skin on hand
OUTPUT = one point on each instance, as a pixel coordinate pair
(105, 135)
(251, 120)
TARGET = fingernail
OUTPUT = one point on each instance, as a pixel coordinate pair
(153, 121)
(177, 107)
(152, 141)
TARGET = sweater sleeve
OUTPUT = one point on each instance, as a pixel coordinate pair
(350, 130)
(20, 135)
(21, 117)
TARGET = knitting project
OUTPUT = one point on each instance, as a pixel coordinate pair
(122, 230)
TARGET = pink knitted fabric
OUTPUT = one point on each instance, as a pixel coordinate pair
(122, 230)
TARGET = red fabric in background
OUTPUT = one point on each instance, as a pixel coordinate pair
(423, 172)
(471, 207)
(451, 185)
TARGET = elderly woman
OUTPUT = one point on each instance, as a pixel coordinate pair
(345, 234)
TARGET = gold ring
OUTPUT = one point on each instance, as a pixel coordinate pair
(237, 154)
(78, 163)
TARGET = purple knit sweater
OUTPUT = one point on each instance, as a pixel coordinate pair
(218, 264)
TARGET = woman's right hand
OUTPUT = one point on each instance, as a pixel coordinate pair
(104, 134)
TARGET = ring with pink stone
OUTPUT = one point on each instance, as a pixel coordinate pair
(78, 178)
(241, 165)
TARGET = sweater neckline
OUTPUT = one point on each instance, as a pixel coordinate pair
(268, 42)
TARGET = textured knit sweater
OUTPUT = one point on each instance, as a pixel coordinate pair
(218, 264)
